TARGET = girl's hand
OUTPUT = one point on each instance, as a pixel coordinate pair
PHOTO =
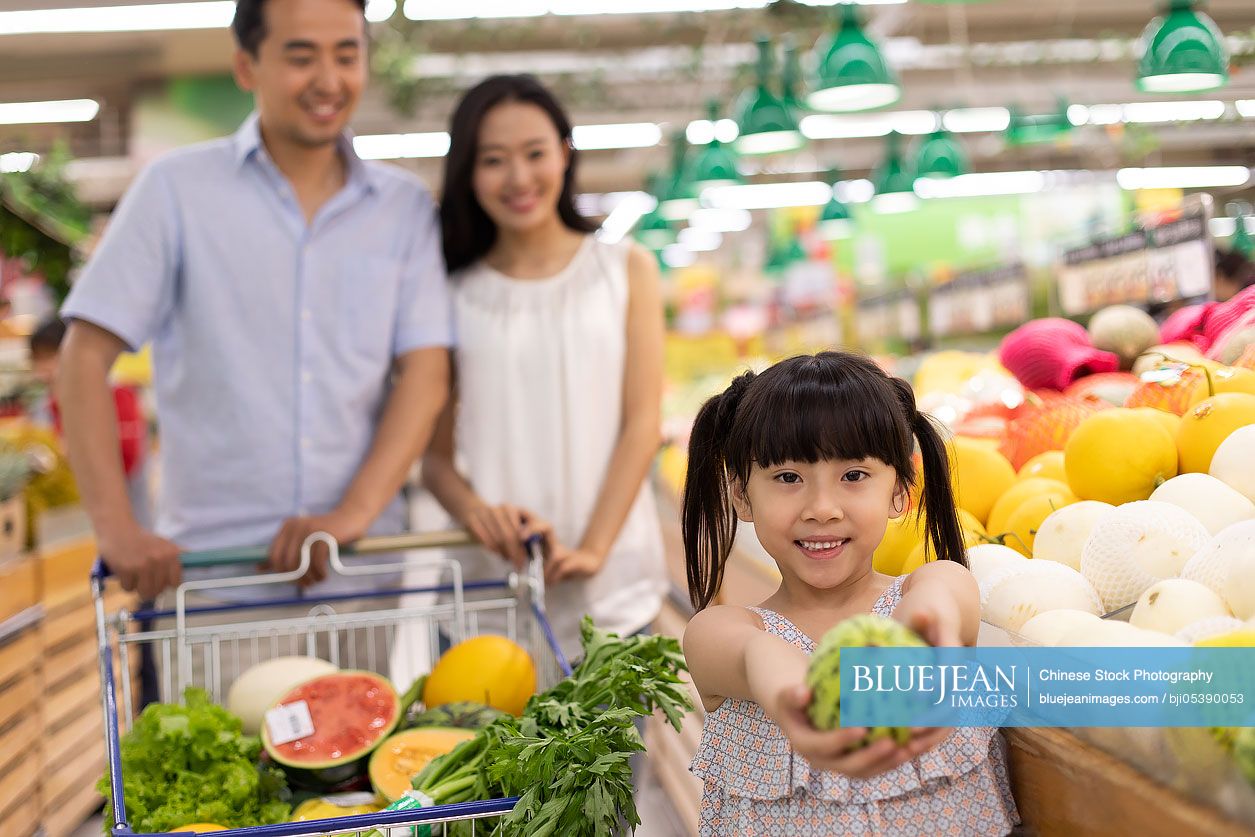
(831, 750)
(938, 621)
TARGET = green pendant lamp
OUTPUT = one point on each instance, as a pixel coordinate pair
(716, 163)
(940, 155)
(1184, 52)
(853, 74)
(1030, 129)
(767, 124)
(679, 199)
(894, 180)
(791, 81)
(835, 221)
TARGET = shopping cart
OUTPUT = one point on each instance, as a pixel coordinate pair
(191, 651)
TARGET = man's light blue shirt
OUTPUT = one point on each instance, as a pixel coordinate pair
(273, 338)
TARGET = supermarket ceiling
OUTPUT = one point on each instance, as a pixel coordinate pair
(655, 71)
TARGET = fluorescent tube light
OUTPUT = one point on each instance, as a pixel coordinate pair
(65, 110)
(702, 131)
(700, 241)
(1183, 177)
(721, 220)
(401, 146)
(768, 195)
(911, 122)
(626, 135)
(150, 17)
(981, 185)
(624, 216)
(17, 161)
(975, 120)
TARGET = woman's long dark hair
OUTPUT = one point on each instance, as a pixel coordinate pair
(468, 232)
(833, 405)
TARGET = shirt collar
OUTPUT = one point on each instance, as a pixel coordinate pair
(247, 143)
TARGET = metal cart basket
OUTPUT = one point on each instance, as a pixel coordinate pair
(209, 636)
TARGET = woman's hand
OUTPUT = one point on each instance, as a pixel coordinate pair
(566, 563)
(504, 529)
(831, 750)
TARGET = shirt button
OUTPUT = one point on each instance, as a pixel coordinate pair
(306, 377)
(305, 443)
(306, 314)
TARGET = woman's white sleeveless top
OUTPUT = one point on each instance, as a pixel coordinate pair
(540, 369)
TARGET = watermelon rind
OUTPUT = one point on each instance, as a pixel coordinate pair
(337, 771)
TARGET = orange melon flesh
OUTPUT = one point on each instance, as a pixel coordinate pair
(396, 761)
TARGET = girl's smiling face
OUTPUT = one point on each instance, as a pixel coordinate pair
(821, 521)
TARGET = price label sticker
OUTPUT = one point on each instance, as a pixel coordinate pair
(289, 722)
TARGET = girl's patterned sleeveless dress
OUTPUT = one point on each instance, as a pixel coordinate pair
(755, 785)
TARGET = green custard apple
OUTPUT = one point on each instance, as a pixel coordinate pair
(824, 675)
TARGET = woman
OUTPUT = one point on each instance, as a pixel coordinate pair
(556, 415)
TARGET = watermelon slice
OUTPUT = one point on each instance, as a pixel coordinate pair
(350, 713)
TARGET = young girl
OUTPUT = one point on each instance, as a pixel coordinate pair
(556, 413)
(816, 453)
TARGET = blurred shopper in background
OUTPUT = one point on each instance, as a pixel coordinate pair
(297, 306)
(1234, 272)
(556, 413)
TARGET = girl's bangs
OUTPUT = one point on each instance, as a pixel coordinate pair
(817, 417)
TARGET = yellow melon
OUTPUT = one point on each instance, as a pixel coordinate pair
(1206, 425)
(1223, 379)
(1119, 456)
(980, 476)
(1023, 523)
(1048, 465)
(1017, 494)
(901, 537)
(1170, 421)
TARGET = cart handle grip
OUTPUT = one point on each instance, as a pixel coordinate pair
(365, 546)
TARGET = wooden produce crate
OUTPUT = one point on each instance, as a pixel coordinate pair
(71, 745)
(20, 728)
(19, 586)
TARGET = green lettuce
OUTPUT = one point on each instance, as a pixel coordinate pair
(191, 763)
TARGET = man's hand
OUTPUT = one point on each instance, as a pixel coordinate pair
(285, 549)
(830, 750)
(142, 561)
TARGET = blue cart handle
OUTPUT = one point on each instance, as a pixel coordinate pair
(257, 554)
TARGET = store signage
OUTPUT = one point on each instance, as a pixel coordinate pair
(1159, 264)
(891, 315)
(1048, 687)
(980, 301)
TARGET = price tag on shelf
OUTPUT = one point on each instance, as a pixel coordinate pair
(289, 722)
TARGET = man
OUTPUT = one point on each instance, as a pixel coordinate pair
(295, 299)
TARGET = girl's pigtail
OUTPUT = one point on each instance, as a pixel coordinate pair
(708, 520)
(943, 530)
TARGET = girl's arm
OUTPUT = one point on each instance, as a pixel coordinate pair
(501, 529)
(941, 600)
(640, 424)
(729, 655)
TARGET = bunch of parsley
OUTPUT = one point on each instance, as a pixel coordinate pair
(568, 758)
(191, 762)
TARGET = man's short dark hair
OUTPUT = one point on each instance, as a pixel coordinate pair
(46, 339)
(249, 24)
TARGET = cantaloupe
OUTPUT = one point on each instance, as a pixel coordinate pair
(1233, 463)
(1171, 604)
(1061, 536)
(1136, 545)
(401, 757)
(1124, 330)
(1216, 505)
